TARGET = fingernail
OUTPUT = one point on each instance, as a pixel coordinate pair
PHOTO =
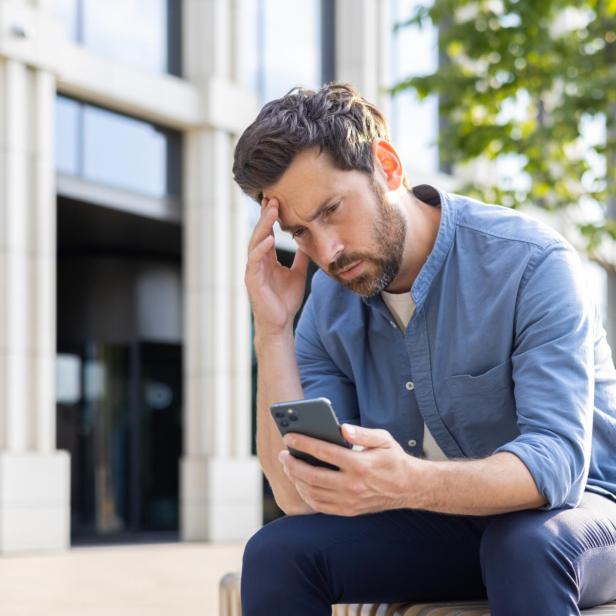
(351, 429)
(282, 456)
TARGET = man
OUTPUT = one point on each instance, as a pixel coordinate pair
(458, 344)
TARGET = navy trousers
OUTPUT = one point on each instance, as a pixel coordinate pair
(526, 563)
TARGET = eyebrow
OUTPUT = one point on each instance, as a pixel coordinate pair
(312, 216)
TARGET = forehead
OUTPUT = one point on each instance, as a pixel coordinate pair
(310, 180)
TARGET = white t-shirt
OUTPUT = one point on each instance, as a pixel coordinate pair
(402, 306)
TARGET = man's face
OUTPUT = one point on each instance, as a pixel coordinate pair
(342, 221)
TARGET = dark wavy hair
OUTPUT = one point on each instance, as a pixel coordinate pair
(336, 119)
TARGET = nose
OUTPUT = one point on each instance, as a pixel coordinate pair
(329, 247)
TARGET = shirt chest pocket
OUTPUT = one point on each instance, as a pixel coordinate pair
(479, 410)
(493, 380)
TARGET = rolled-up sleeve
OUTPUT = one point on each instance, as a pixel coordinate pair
(318, 372)
(553, 375)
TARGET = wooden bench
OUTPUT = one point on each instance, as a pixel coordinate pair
(230, 605)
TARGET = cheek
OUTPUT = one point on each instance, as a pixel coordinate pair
(307, 247)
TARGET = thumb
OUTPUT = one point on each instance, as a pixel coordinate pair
(366, 437)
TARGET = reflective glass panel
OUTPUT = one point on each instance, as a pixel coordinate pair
(67, 135)
(66, 12)
(124, 152)
(68, 378)
(131, 31)
(414, 123)
(248, 61)
(117, 150)
(291, 46)
(135, 32)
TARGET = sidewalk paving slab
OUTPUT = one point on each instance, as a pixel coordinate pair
(179, 579)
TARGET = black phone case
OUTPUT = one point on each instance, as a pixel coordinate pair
(313, 417)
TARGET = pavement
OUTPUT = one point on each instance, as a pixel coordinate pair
(171, 579)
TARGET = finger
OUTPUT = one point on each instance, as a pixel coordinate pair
(366, 437)
(323, 501)
(265, 224)
(322, 450)
(260, 250)
(316, 494)
(305, 494)
(318, 477)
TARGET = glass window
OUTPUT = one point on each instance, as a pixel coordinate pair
(414, 123)
(142, 33)
(68, 378)
(291, 26)
(66, 12)
(116, 150)
(248, 71)
(67, 135)
(124, 152)
(270, 29)
(132, 31)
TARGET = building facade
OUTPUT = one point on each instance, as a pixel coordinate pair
(125, 333)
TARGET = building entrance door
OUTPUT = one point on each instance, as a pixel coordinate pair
(124, 435)
(119, 371)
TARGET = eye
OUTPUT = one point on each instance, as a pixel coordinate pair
(332, 208)
(298, 233)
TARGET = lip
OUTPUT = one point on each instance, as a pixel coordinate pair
(352, 271)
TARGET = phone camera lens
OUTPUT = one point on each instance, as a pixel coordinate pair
(279, 414)
(294, 418)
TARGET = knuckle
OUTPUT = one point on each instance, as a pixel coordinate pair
(308, 495)
(357, 487)
(311, 477)
(319, 452)
(361, 466)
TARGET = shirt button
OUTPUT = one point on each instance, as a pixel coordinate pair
(410, 385)
(393, 324)
(412, 443)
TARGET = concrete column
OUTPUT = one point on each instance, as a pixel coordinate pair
(241, 428)
(241, 229)
(34, 477)
(220, 481)
(362, 48)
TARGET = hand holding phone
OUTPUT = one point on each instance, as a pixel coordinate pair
(313, 417)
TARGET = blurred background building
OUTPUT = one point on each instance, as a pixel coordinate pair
(126, 378)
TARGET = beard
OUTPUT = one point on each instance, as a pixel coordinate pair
(380, 269)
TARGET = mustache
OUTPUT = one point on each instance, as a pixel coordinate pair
(343, 261)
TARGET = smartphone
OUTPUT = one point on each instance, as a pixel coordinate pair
(313, 417)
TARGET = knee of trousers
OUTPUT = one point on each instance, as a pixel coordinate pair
(280, 548)
(523, 547)
(284, 565)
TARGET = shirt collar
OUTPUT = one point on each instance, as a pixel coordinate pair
(444, 239)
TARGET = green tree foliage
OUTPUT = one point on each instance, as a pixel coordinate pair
(520, 79)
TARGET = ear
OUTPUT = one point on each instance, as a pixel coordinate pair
(387, 159)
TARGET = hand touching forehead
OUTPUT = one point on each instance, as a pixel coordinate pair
(312, 182)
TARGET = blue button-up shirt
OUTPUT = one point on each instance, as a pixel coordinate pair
(505, 352)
